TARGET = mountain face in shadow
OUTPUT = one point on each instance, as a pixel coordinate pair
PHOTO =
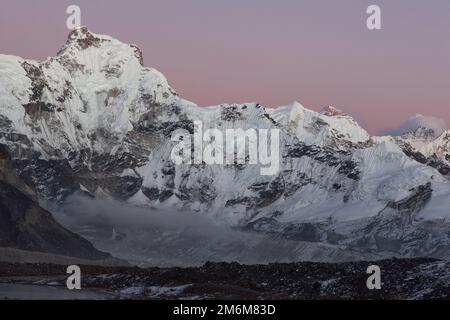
(25, 225)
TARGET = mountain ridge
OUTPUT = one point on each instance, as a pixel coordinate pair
(93, 120)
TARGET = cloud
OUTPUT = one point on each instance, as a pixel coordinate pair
(417, 121)
(163, 237)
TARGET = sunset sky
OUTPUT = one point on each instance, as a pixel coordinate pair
(273, 52)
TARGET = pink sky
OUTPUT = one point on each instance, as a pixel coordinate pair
(273, 52)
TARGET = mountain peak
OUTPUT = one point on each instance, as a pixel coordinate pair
(421, 133)
(419, 125)
(332, 111)
(82, 38)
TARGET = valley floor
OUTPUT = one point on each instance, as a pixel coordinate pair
(401, 279)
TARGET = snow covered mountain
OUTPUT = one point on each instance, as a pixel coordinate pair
(94, 120)
(429, 145)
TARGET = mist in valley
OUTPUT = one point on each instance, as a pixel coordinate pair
(162, 237)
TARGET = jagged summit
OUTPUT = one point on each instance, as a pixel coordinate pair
(332, 111)
(82, 38)
(421, 133)
(419, 125)
(94, 91)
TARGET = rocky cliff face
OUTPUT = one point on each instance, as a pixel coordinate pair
(94, 120)
(25, 225)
